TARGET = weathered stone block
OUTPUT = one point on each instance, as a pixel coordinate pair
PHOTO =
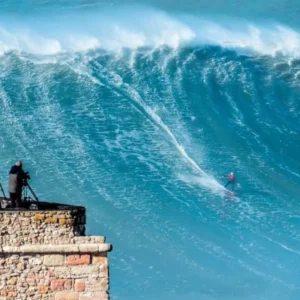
(47, 297)
(68, 284)
(79, 285)
(43, 289)
(105, 247)
(98, 239)
(100, 259)
(78, 259)
(12, 295)
(51, 273)
(76, 271)
(51, 221)
(61, 284)
(20, 266)
(12, 281)
(103, 268)
(67, 296)
(30, 294)
(65, 221)
(39, 217)
(37, 260)
(96, 284)
(31, 281)
(94, 295)
(54, 260)
(9, 292)
(92, 248)
(3, 293)
(62, 248)
(59, 216)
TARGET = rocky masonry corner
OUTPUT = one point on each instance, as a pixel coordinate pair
(45, 255)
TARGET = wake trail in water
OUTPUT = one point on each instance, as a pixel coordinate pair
(159, 123)
(116, 81)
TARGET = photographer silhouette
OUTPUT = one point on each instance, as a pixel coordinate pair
(17, 178)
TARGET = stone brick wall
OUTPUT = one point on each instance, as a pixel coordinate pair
(53, 276)
(39, 227)
(41, 258)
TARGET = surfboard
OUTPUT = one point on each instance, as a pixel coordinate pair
(230, 193)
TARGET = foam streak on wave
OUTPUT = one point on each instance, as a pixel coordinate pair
(206, 181)
(158, 122)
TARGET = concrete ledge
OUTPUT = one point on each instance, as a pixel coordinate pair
(59, 249)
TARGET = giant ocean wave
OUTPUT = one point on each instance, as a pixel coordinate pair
(137, 115)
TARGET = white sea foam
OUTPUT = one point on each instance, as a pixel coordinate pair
(207, 182)
(263, 39)
(137, 28)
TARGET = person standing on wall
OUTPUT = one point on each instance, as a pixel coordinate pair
(16, 176)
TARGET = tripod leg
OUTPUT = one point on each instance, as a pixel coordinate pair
(2, 191)
(32, 192)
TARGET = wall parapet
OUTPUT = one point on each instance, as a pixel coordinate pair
(18, 227)
(61, 248)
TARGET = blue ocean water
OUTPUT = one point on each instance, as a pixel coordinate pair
(137, 110)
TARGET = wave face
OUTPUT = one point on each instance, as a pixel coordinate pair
(138, 119)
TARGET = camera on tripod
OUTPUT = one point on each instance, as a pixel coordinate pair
(26, 187)
(25, 178)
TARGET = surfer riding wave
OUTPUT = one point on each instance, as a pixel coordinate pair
(231, 180)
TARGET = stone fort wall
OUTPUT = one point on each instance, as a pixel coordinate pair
(45, 255)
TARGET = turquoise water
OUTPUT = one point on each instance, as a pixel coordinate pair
(137, 110)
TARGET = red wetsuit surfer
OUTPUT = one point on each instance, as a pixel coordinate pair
(231, 180)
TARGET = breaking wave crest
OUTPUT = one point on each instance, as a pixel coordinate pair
(136, 28)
